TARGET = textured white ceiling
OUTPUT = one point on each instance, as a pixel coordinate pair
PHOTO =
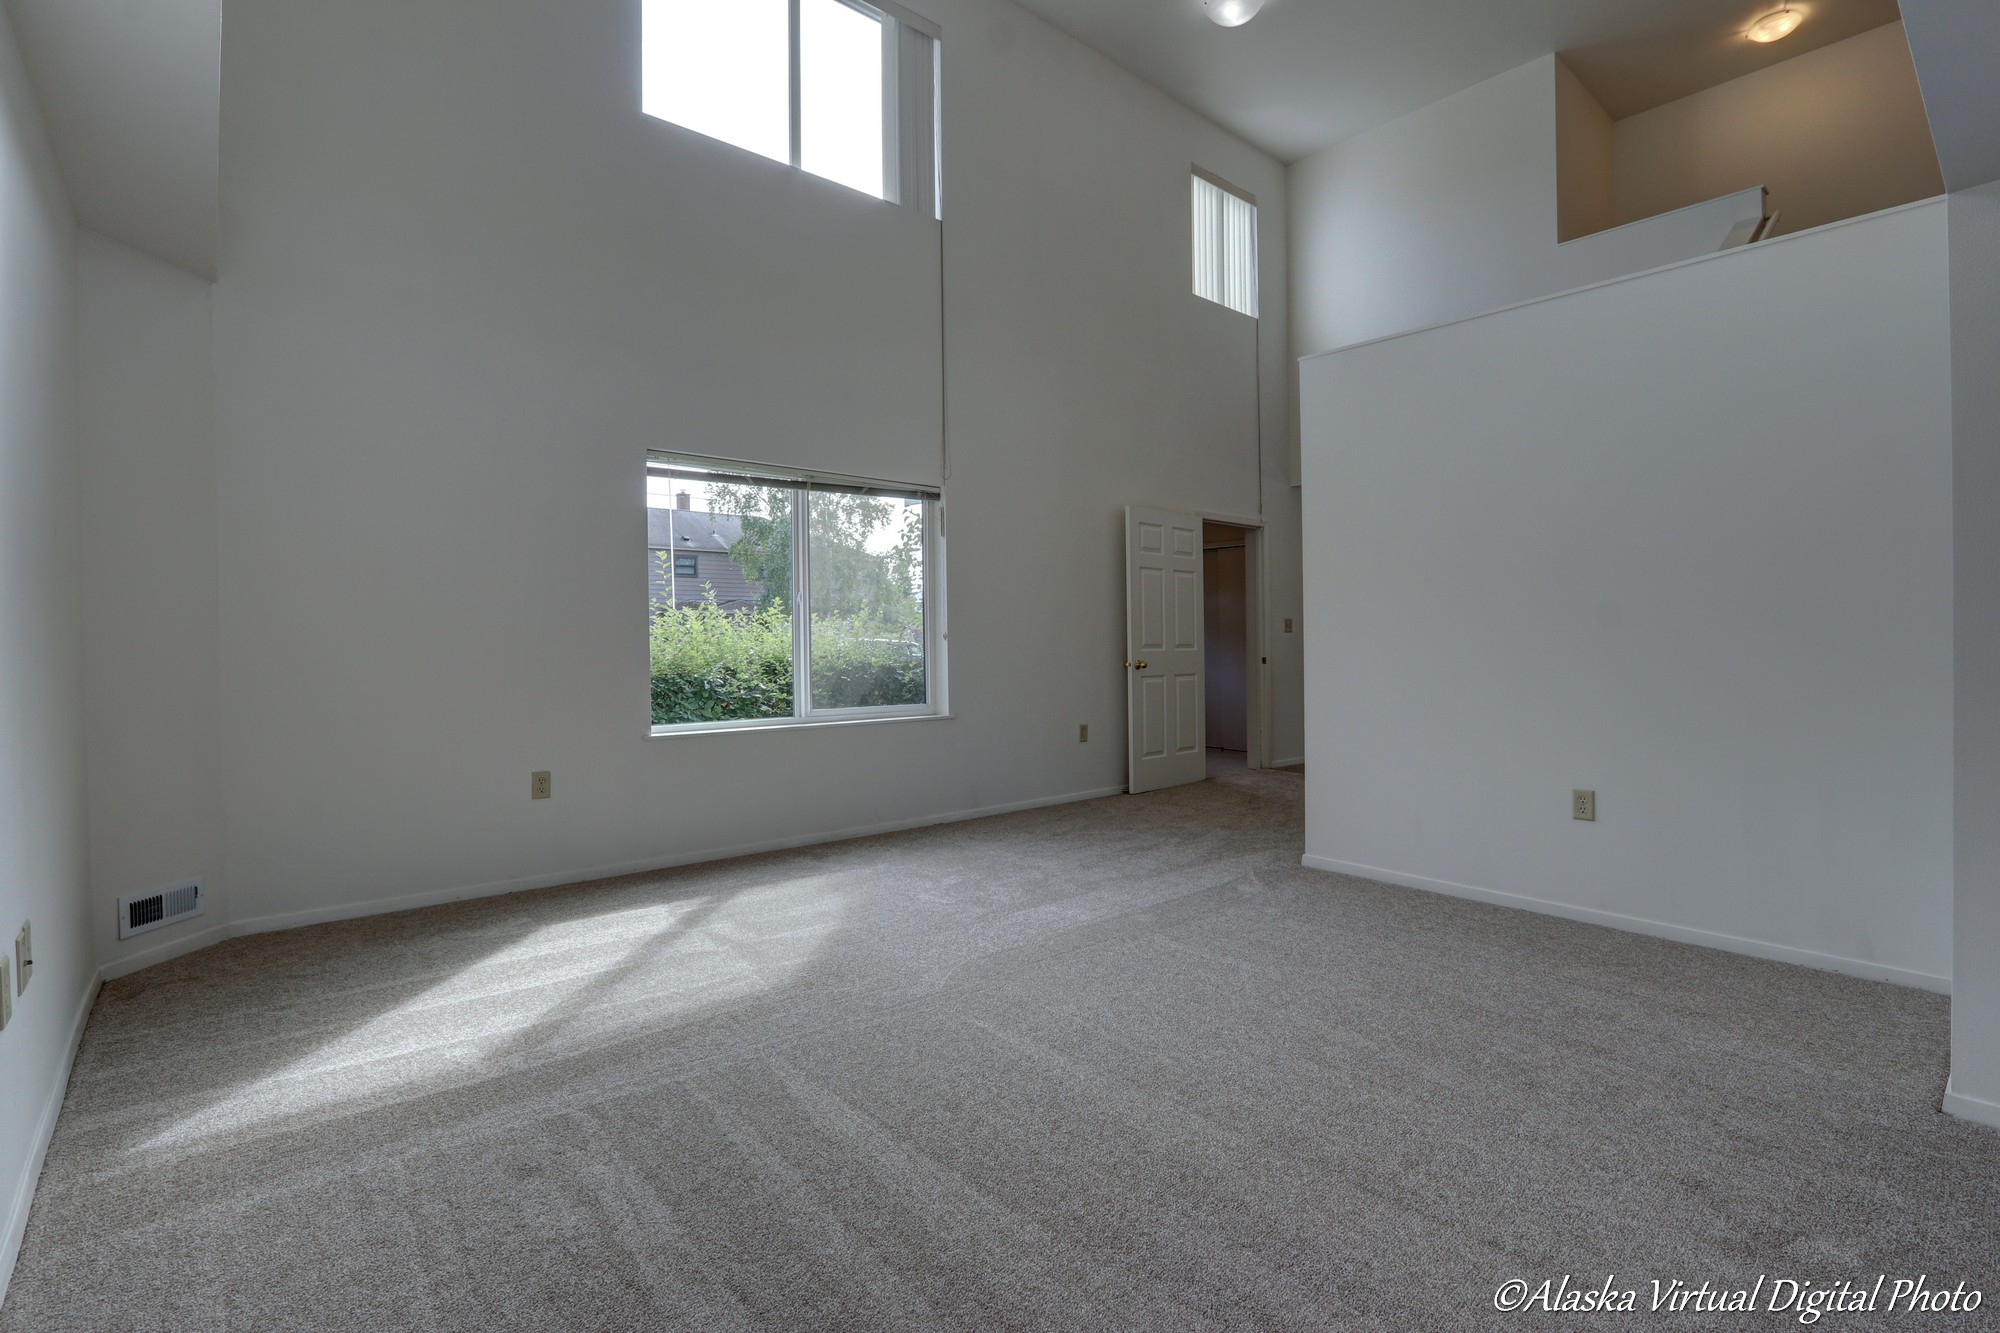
(132, 92)
(1305, 74)
(132, 88)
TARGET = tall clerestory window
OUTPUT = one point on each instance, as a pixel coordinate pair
(845, 90)
(1225, 243)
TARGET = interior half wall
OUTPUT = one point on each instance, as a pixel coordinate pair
(1713, 585)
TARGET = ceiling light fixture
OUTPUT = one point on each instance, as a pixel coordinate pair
(1232, 13)
(1781, 23)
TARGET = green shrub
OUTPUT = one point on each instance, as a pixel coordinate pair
(860, 674)
(716, 665)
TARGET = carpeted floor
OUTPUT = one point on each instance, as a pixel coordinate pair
(1120, 1065)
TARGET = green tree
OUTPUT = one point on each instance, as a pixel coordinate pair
(763, 550)
(849, 580)
(852, 582)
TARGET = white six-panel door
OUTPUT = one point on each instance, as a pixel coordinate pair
(1163, 645)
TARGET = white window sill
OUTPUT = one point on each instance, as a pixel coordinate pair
(788, 724)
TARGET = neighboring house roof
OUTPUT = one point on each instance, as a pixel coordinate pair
(691, 530)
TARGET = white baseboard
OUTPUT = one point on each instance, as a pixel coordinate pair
(1782, 953)
(1967, 1107)
(160, 953)
(381, 906)
(38, 1147)
(1299, 762)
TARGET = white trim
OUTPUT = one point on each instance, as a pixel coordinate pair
(495, 888)
(1967, 1107)
(192, 942)
(1299, 762)
(794, 92)
(1765, 190)
(1780, 953)
(1223, 185)
(829, 718)
(38, 1146)
(908, 18)
(1228, 520)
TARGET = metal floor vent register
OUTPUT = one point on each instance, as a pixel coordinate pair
(149, 911)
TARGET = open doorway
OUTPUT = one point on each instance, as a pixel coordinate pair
(1176, 563)
(1231, 677)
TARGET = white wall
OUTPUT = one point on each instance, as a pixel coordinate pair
(1654, 242)
(41, 710)
(1975, 313)
(1428, 218)
(147, 425)
(1456, 209)
(130, 93)
(1683, 539)
(463, 288)
(1953, 43)
(1586, 189)
(1835, 133)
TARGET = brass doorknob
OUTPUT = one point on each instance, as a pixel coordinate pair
(1138, 666)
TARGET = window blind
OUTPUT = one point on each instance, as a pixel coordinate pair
(689, 469)
(1225, 245)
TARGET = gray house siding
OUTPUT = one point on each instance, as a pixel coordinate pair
(707, 538)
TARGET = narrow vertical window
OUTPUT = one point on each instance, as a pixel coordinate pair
(1225, 243)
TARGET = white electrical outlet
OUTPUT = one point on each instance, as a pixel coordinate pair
(540, 786)
(1583, 805)
(24, 958)
(1083, 734)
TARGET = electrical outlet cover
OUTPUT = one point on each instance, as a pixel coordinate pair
(6, 995)
(24, 958)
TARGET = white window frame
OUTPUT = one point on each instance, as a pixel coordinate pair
(1215, 270)
(804, 714)
(912, 57)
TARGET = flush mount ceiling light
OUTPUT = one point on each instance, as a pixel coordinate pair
(1232, 13)
(1782, 23)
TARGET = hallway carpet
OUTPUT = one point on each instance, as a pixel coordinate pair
(1117, 1065)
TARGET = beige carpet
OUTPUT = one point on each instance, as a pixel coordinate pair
(1121, 1065)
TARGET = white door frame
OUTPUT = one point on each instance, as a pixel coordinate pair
(1256, 651)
